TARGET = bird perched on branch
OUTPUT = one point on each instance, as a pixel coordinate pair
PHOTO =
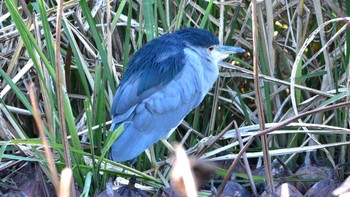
(164, 80)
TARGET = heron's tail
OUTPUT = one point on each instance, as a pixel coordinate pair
(131, 143)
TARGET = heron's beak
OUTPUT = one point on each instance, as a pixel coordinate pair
(221, 52)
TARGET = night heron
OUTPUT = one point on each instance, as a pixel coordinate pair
(164, 80)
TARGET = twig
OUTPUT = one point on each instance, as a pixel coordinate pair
(245, 161)
(265, 147)
(289, 120)
(222, 133)
(59, 84)
(39, 124)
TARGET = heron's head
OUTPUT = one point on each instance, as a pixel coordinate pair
(206, 42)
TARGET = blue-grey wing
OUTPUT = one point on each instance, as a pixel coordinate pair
(152, 118)
(150, 69)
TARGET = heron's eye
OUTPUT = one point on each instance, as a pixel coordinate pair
(211, 48)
